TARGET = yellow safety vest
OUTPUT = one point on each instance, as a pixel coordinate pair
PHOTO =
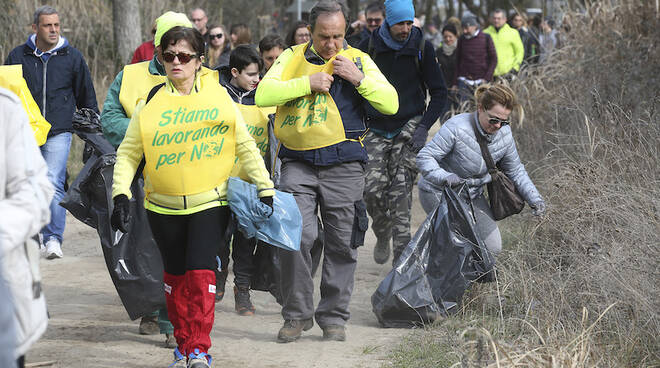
(11, 78)
(189, 141)
(256, 121)
(137, 81)
(311, 121)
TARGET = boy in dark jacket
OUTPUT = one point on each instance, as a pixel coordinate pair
(240, 78)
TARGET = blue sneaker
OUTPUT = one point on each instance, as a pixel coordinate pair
(179, 360)
(199, 360)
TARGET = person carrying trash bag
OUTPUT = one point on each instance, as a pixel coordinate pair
(454, 156)
(132, 82)
(188, 132)
(240, 78)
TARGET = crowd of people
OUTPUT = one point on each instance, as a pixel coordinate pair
(349, 105)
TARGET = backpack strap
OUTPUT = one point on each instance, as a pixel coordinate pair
(420, 55)
(371, 49)
(153, 91)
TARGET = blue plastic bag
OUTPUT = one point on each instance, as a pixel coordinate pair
(281, 226)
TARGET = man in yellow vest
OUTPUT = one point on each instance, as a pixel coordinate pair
(320, 89)
(117, 111)
(508, 46)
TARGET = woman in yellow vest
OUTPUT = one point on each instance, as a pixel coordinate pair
(189, 133)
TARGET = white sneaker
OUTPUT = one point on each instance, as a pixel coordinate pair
(53, 249)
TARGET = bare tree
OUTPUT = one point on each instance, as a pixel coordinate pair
(126, 28)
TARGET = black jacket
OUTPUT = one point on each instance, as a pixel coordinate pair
(238, 94)
(410, 83)
(68, 83)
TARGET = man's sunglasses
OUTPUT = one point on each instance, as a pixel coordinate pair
(374, 20)
(218, 36)
(493, 120)
(182, 56)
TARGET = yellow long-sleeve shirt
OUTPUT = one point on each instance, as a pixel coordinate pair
(131, 151)
(375, 88)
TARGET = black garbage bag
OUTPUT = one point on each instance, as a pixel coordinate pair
(133, 259)
(441, 261)
(267, 271)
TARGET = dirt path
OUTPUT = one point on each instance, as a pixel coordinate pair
(89, 327)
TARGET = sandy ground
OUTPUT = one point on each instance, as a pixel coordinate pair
(89, 327)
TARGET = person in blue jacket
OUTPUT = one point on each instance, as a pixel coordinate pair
(59, 80)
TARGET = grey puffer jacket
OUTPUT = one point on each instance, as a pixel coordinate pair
(454, 149)
(25, 195)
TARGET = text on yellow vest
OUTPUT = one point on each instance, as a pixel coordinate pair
(312, 121)
(256, 121)
(189, 141)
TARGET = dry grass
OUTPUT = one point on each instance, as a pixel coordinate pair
(579, 288)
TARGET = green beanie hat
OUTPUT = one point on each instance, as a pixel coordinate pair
(168, 21)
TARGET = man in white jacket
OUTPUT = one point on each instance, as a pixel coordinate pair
(25, 195)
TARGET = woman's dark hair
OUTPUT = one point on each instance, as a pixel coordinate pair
(178, 33)
(291, 36)
(449, 28)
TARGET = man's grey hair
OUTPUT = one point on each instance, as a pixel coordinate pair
(200, 9)
(43, 10)
(498, 11)
(327, 7)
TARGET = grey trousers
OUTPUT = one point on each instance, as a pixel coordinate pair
(486, 226)
(334, 191)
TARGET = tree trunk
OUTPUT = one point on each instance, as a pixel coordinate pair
(126, 28)
(353, 9)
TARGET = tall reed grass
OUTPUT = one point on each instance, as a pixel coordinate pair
(580, 288)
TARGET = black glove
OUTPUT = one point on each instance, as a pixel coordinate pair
(121, 213)
(419, 138)
(267, 201)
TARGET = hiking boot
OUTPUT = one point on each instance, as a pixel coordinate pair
(382, 250)
(149, 325)
(170, 341)
(53, 249)
(293, 328)
(334, 333)
(220, 281)
(243, 306)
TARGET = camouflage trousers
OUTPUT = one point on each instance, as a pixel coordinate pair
(391, 173)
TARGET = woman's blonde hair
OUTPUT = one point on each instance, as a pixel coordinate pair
(487, 95)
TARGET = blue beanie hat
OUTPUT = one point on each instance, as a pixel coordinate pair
(397, 11)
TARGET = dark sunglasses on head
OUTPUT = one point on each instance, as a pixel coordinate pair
(182, 56)
(218, 36)
(494, 120)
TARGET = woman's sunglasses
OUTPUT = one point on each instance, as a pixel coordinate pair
(218, 36)
(183, 57)
(493, 120)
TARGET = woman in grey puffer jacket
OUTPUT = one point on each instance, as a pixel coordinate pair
(454, 157)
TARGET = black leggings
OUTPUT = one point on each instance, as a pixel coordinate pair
(189, 242)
